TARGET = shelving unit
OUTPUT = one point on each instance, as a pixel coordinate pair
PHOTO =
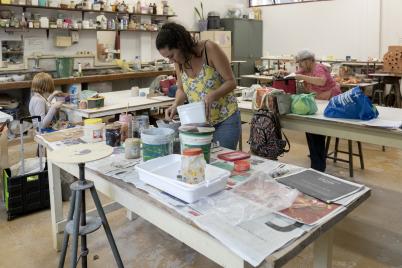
(83, 11)
(24, 7)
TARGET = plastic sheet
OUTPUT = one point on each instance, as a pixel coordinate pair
(231, 207)
(264, 190)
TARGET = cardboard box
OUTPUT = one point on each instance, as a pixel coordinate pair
(222, 38)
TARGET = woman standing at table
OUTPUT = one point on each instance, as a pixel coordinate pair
(317, 78)
(203, 74)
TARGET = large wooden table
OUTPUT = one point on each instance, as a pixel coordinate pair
(183, 229)
(118, 102)
(342, 128)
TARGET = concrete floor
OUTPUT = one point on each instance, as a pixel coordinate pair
(369, 237)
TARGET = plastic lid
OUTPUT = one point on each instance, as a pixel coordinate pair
(241, 165)
(92, 121)
(192, 151)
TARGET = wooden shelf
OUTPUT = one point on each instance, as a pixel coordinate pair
(88, 79)
(71, 29)
(86, 10)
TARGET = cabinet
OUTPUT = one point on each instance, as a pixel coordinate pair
(246, 43)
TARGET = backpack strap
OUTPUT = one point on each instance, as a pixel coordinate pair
(280, 132)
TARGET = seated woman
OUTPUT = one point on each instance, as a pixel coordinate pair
(317, 79)
(43, 93)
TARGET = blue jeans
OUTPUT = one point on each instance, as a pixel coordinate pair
(227, 132)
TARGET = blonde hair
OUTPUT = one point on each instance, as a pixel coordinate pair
(42, 83)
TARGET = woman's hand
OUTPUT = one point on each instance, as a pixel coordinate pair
(170, 112)
(57, 105)
(209, 99)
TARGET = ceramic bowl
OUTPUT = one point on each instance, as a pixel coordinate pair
(18, 77)
(4, 79)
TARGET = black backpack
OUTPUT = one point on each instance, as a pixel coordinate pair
(266, 135)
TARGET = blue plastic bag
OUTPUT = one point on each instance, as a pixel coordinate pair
(352, 104)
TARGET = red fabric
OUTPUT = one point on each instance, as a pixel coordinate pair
(288, 85)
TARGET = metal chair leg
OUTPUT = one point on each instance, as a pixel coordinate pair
(106, 227)
(76, 219)
(66, 235)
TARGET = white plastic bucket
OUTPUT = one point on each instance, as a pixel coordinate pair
(192, 113)
(197, 140)
(94, 133)
(156, 142)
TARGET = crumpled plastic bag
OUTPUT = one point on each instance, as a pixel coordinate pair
(353, 104)
(304, 104)
(264, 190)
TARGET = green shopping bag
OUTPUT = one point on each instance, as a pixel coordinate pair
(304, 104)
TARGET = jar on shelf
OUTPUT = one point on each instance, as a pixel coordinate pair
(193, 166)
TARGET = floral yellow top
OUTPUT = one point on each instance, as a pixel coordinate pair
(207, 80)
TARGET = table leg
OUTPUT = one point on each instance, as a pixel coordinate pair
(131, 216)
(398, 93)
(323, 250)
(56, 203)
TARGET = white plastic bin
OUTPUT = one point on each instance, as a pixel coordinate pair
(192, 113)
(162, 173)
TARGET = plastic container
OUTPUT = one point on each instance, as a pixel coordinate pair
(162, 174)
(193, 113)
(126, 121)
(156, 142)
(113, 134)
(94, 130)
(197, 140)
(140, 122)
(132, 148)
(193, 166)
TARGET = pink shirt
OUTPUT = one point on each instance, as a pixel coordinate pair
(320, 70)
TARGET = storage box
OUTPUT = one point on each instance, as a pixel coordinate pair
(162, 173)
(25, 193)
(222, 38)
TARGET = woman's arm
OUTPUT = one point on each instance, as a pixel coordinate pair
(220, 62)
(317, 81)
(180, 96)
(39, 109)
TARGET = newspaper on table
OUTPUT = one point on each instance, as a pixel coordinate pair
(246, 222)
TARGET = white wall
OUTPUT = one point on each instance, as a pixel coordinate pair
(391, 24)
(338, 28)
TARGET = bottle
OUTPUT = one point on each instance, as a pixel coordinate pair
(23, 22)
(137, 63)
(79, 69)
(138, 7)
(154, 9)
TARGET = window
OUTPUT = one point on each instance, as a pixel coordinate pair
(254, 3)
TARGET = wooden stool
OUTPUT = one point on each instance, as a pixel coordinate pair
(349, 152)
(378, 94)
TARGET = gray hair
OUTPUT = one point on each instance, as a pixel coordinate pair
(305, 55)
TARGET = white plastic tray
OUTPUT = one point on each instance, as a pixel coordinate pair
(162, 173)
